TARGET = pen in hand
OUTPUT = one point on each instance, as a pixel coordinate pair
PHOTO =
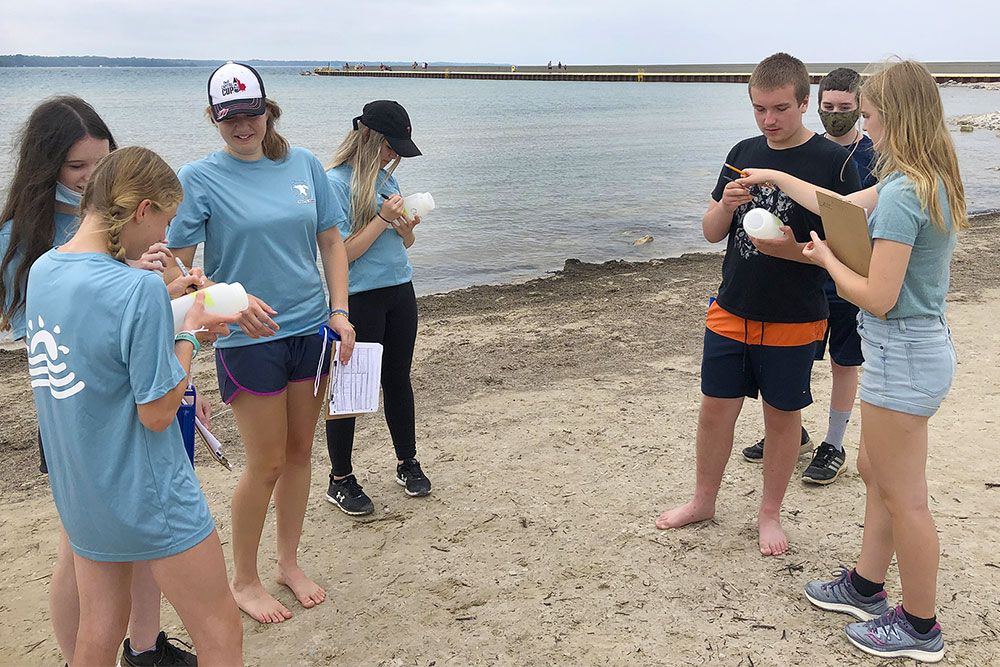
(185, 273)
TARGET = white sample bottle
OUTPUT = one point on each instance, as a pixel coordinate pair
(420, 203)
(220, 299)
(762, 224)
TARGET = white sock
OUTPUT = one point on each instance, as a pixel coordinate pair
(837, 428)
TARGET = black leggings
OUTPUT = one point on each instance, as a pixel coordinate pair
(388, 316)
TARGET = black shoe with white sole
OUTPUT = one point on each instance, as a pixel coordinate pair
(348, 495)
(410, 476)
(827, 464)
(755, 453)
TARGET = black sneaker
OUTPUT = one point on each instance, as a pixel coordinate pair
(755, 453)
(164, 653)
(409, 475)
(349, 497)
(827, 464)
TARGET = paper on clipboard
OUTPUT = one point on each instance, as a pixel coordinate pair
(354, 386)
(846, 229)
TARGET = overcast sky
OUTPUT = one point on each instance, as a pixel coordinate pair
(518, 31)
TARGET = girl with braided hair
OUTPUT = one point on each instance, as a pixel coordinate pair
(57, 150)
(108, 376)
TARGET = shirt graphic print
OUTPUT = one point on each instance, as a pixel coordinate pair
(44, 364)
(770, 199)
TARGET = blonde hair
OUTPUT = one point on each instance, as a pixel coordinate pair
(362, 150)
(915, 140)
(275, 146)
(121, 181)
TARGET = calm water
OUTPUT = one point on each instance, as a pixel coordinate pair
(524, 174)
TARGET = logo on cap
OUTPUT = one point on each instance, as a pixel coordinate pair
(234, 86)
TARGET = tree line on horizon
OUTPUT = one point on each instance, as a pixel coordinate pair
(22, 60)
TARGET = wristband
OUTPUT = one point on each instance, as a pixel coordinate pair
(340, 311)
(191, 338)
(379, 214)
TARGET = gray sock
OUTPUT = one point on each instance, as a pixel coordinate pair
(837, 427)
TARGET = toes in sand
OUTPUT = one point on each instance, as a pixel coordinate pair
(682, 515)
(259, 604)
(308, 592)
(772, 538)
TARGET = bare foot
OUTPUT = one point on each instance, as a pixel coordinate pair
(682, 515)
(258, 603)
(772, 538)
(306, 590)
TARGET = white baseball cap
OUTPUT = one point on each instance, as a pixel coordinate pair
(235, 88)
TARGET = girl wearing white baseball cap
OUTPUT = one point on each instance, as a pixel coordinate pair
(262, 208)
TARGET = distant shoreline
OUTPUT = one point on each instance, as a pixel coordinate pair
(23, 61)
(28, 61)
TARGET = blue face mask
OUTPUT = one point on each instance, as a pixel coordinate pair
(68, 196)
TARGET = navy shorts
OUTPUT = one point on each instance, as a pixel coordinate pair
(780, 375)
(265, 369)
(842, 330)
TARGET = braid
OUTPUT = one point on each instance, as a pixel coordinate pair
(114, 243)
(121, 182)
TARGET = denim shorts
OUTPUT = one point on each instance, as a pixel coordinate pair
(909, 363)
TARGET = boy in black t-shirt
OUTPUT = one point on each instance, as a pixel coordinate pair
(762, 330)
(839, 109)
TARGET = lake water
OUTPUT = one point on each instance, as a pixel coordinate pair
(525, 174)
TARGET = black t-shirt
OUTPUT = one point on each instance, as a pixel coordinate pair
(759, 287)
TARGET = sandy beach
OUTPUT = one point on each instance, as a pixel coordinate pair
(556, 419)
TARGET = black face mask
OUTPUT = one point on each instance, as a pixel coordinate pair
(839, 123)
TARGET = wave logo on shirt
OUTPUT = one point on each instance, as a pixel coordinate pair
(302, 193)
(44, 366)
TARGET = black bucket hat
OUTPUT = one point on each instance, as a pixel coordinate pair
(390, 119)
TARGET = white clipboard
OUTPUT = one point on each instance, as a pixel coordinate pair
(353, 388)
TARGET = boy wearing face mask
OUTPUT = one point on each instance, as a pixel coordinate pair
(839, 110)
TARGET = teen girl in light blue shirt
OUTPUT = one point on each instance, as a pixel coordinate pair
(108, 376)
(383, 305)
(909, 358)
(60, 145)
(261, 208)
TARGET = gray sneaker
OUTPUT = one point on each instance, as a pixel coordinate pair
(840, 595)
(892, 636)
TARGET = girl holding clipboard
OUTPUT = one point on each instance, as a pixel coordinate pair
(917, 208)
(383, 306)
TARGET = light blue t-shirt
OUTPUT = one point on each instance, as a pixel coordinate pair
(385, 263)
(100, 341)
(65, 225)
(259, 221)
(898, 217)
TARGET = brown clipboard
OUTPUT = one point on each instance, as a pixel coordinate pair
(846, 228)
